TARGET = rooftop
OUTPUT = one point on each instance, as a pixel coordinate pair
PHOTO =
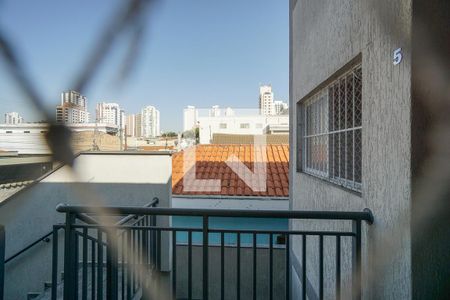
(210, 164)
(223, 138)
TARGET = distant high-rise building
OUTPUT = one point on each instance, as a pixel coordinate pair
(280, 107)
(150, 122)
(73, 108)
(13, 118)
(190, 116)
(130, 125)
(138, 126)
(266, 104)
(110, 113)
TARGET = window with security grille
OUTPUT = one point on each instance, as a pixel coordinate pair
(331, 125)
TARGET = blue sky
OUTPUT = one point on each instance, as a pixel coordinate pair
(195, 52)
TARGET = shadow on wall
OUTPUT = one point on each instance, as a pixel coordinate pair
(35, 214)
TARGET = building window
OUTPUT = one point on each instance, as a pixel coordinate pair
(26, 131)
(330, 128)
(245, 125)
(259, 125)
(223, 125)
(8, 131)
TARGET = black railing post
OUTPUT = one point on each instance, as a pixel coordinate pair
(54, 261)
(111, 267)
(70, 263)
(205, 256)
(2, 261)
(99, 264)
(174, 264)
(356, 263)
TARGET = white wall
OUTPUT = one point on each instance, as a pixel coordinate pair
(16, 137)
(111, 179)
(257, 123)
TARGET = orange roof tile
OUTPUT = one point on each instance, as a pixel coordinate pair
(210, 164)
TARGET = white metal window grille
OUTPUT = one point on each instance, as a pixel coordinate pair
(332, 124)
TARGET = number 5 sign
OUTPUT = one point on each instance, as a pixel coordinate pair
(397, 56)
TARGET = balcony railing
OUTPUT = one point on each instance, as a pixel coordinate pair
(123, 261)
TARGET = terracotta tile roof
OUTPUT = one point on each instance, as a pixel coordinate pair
(210, 164)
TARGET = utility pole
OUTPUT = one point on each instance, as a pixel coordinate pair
(94, 140)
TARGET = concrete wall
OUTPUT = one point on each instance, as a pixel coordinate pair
(112, 179)
(326, 35)
(262, 271)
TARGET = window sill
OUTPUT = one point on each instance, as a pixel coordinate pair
(331, 183)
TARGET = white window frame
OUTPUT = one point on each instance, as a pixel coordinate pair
(314, 133)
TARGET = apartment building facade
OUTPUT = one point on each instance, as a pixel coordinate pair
(13, 118)
(130, 128)
(73, 108)
(266, 104)
(190, 115)
(243, 122)
(150, 122)
(354, 142)
(110, 113)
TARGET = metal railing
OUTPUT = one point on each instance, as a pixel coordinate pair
(134, 256)
(2, 261)
(91, 256)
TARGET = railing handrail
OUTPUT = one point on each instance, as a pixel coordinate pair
(365, 215)
(2, 263)
(132, 216)
(29, 246)
(82, 217)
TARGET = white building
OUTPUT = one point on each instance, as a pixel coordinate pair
(190, 116)
(29, 138)
(266, 104)
(73, 108)
(150, 122)
(13, 118)
(247, 122)
(215, 111)
(110, 113)
(229, 112)
(281, 107)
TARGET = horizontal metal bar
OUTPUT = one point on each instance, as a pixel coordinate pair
(149, 228)
(332, 132)
(290, 232)
(86, 219)
(130, 217)
(243, 231)
(364, 215)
